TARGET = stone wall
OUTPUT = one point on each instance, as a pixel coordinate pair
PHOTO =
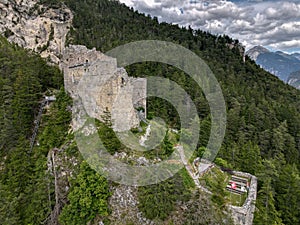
(103, 87)
(140, 91)
(244, 215)
(241, 215)
(44, 30)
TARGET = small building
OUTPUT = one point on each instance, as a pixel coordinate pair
(50, 98)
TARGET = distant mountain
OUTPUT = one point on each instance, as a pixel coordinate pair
(297, 55)
(294, 79)
(254, 52)
(277, 63)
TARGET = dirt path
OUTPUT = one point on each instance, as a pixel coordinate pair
(189, 168)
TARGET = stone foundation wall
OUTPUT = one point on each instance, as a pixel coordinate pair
(140, 93)
(241, 215)
(244, 215)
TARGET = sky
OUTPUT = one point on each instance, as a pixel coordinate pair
(273, 24)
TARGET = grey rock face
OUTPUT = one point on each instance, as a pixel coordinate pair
(35, 27)
(254, 52)
(294, 79)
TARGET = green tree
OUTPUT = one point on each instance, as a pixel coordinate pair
(166, 147)
(157, 201)
(88, 198)
(250, 153)
(288, 194)
(266, 212)
(107, 134)
(57, 122)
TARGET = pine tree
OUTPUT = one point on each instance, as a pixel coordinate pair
(266, 212)
(167, 147)
(87, 199)
(288, 194)
(250, 153)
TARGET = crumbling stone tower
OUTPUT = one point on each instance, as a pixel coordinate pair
(103, 87)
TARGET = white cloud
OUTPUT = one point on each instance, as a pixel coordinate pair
(286, 44)
(270, 23)
(127, 2)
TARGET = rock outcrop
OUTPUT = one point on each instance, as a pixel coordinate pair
(294, 79)
(36, 27)
(124, 203)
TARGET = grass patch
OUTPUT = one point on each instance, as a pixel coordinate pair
(236, 199)
(215, 180)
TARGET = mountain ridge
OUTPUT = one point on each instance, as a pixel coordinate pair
(254, 52)
(278, 63)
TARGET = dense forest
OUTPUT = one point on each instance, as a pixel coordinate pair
(262, 136)
(25, 77)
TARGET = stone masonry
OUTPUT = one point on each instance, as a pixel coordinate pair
(103, 87)
(244, 215)
(241, 215)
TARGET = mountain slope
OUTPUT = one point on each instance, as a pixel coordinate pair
(254, 52)
(263, 130)
(297, 55)
(25, 191)
(277, 63)
(262, 110)
(294, 79)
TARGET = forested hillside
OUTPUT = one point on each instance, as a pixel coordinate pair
(263, 129)
(262, 137)
(25, 77)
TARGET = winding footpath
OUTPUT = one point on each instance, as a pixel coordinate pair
(189, 169)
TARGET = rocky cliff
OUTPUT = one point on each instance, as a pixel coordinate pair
(36, 27)
(294, 79)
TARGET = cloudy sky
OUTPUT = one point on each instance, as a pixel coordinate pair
(274, 24)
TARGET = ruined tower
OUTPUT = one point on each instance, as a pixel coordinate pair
(103, 87)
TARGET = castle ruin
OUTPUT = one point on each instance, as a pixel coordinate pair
(103, 87)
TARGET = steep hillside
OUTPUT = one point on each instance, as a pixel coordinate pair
(263, 112)
(294, 79)
(262, 137)
(25, 185)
